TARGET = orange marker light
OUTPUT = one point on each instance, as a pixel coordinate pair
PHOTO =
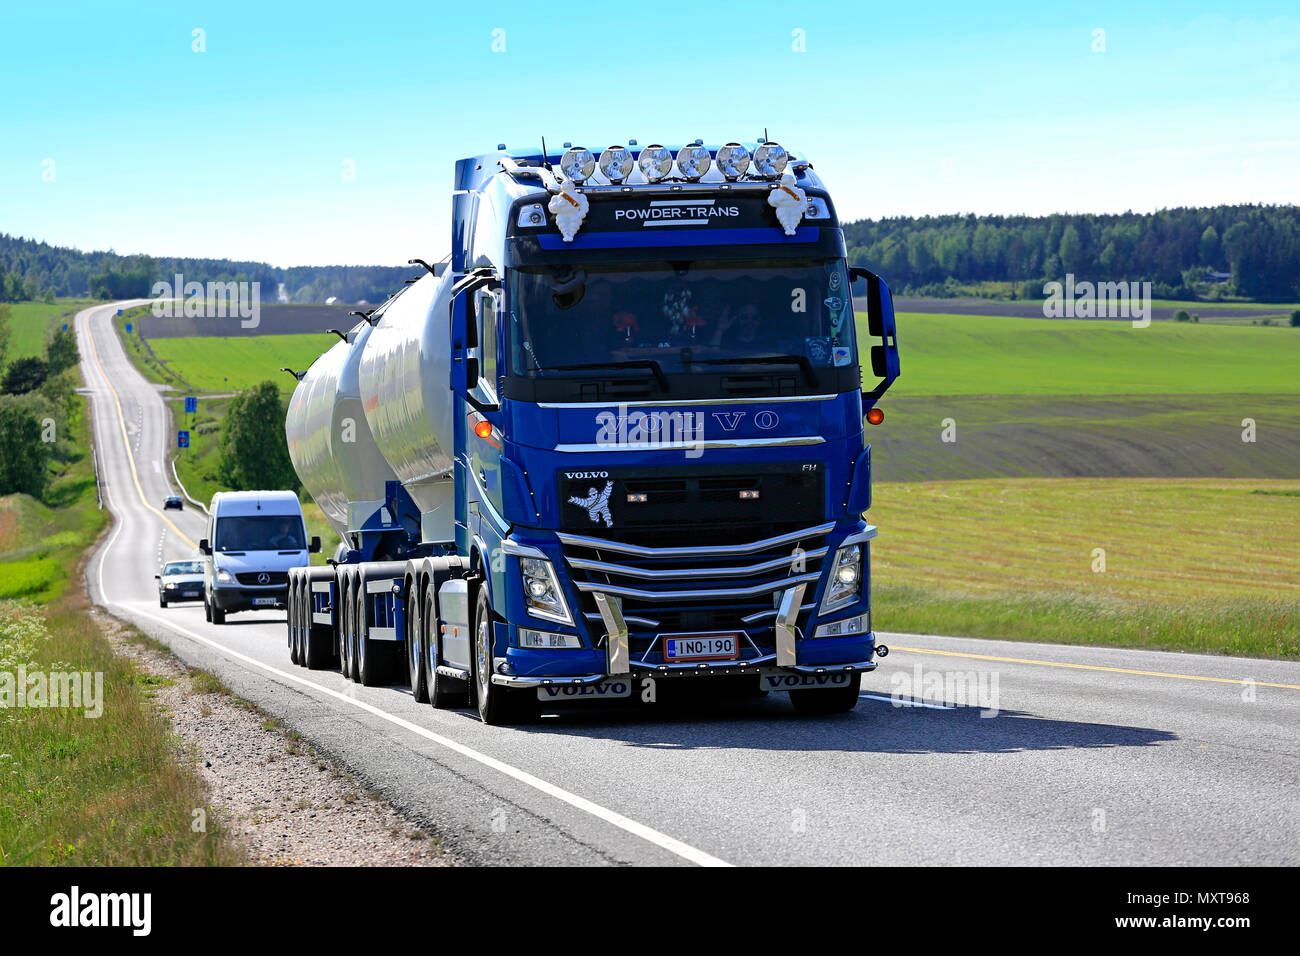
(483, 429)
(875, 416)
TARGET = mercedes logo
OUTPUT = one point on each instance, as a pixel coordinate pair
(263, 578)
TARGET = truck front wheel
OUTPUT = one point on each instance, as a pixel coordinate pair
(831, 700)
(496, 704)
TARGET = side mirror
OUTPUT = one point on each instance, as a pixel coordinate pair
(315, 544)
(157, 577)
(204, 546)
(880, 325)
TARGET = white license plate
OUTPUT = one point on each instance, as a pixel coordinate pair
(778, 680)
(259, 602)
(605, 689)
(700, 647)
(189, 594)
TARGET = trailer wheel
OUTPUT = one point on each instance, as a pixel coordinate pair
(415, 646)
(835, 700)
(354, 671)
(496, 704)
(372, 657)
(342, 627)
(291, 622)
(444, 692)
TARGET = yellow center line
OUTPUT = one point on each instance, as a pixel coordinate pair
(1091, 667)
(126, 441)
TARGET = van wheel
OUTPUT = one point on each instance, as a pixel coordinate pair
(833, 700)
(162, 602)
(218, 616)
(496, 704)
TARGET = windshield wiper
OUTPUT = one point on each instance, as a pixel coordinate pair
(651, 364)
(799, 360)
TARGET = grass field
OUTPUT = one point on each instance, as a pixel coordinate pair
(1197, 565)
(33, 323)
(995, 355)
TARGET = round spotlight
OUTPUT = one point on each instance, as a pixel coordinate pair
(655, 162)
(733, 160)
(577, 163)
(771, 160)
(616, 163)
(694, 161)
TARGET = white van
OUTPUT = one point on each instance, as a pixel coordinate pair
(254, 538)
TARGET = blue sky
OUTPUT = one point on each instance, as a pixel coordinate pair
(904, 108)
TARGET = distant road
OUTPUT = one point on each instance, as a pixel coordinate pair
(1034, 310)
(1095, 756)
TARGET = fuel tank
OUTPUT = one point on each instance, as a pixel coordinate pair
(405, 385)
(330, 442)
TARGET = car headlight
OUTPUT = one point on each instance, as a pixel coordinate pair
(542, 592)
(169, 585)
(224, 576)
(845, 584)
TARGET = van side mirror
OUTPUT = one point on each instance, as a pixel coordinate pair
(157, 577)
(314, 548)
(204, 546)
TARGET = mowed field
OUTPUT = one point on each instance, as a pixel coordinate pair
(32, 323)
(208, 364)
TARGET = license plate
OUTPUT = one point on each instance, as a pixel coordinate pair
(259, 602)
(189, 594)
(701, 647)
(779, 680)
(605, 689)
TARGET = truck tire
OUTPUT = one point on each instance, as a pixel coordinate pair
(292, 624)
(444, 692)
(415, 672)
(373, 657)
(497, 705)
(834, 700)
(342, 650)
(347, 622)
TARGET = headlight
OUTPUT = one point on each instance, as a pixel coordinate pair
(845, 584)
(542, 590)
(655, 163)
(616, 163)
(577, 163)
(546, 639)
(169, 585)
(850, 625)
(770, 159)
(693, 161)
(733, 160)
(224, 576)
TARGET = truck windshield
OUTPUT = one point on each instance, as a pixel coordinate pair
(260, 533)
(680, 317)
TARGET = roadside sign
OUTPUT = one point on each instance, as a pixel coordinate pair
(65, 326)
(191, 404)
(128, 327)
(182, 439)
(119, 311)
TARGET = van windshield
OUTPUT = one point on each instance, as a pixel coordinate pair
(260, 533)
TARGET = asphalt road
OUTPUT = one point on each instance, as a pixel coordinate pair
(1091, 756)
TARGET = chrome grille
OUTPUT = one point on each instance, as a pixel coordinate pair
(692, 589)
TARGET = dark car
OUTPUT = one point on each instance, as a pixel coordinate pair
(180, 581)
(173, 501)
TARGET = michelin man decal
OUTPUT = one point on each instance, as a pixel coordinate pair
(597, 504)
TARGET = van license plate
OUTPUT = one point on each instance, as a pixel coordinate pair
(259, 602)
(701, 647)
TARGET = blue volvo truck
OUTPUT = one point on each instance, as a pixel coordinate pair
(615, 440)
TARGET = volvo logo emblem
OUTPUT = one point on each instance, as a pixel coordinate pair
(263, 578)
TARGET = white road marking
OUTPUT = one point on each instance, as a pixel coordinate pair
(907, 702)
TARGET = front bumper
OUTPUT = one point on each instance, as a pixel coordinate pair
(235, 598)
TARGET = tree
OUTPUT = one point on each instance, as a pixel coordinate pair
(62, 352)
(5, 333)
(25, 374)
(1295, 319)
(24, 457)
(1209, 246)
(254, 450)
